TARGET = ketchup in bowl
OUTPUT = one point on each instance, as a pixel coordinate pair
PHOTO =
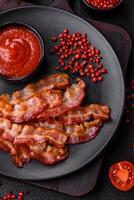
(21, 51)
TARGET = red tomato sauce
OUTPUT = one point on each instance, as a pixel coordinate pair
(20, 52)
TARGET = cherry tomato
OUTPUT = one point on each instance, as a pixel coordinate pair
(122, 175)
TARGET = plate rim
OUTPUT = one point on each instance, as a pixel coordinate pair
(122, 81)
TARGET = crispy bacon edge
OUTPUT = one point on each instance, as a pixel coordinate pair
(20, 106)
(28, 134)
(76, 133)
(54, 81)
(87, 113)
(72, 98)
(90, 131)
(22, 154)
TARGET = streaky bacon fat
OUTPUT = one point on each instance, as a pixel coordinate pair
(81, 114)
(28, 134)
(72, 98)
(76, 133)
(54, 81)
(26, 104)
(44, 137)
(23, 111)
(83, 132)
(44, 153)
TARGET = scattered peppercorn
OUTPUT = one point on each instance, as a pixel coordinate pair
(54, 39)
(11, 196)
(75, 53)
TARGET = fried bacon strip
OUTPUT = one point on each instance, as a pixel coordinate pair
(76, 133)
(51, 155)
(42, 105)
(49, 124)
(26, 104)
(72, 98)
(81, 114)
(44, 153)
(51, 118)
(19, 154)
(28, 134)
(26, 142)
(80, 125)
(83, 132)
(23, 111)
(54, 81)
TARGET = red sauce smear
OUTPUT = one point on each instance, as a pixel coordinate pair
(20, 52)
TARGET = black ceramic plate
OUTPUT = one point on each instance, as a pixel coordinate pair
(51, 21)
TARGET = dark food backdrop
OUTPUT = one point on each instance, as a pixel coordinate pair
(118, 148)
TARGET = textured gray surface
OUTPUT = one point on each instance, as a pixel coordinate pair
(120, 149)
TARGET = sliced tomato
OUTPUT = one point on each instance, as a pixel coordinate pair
(122, 175)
